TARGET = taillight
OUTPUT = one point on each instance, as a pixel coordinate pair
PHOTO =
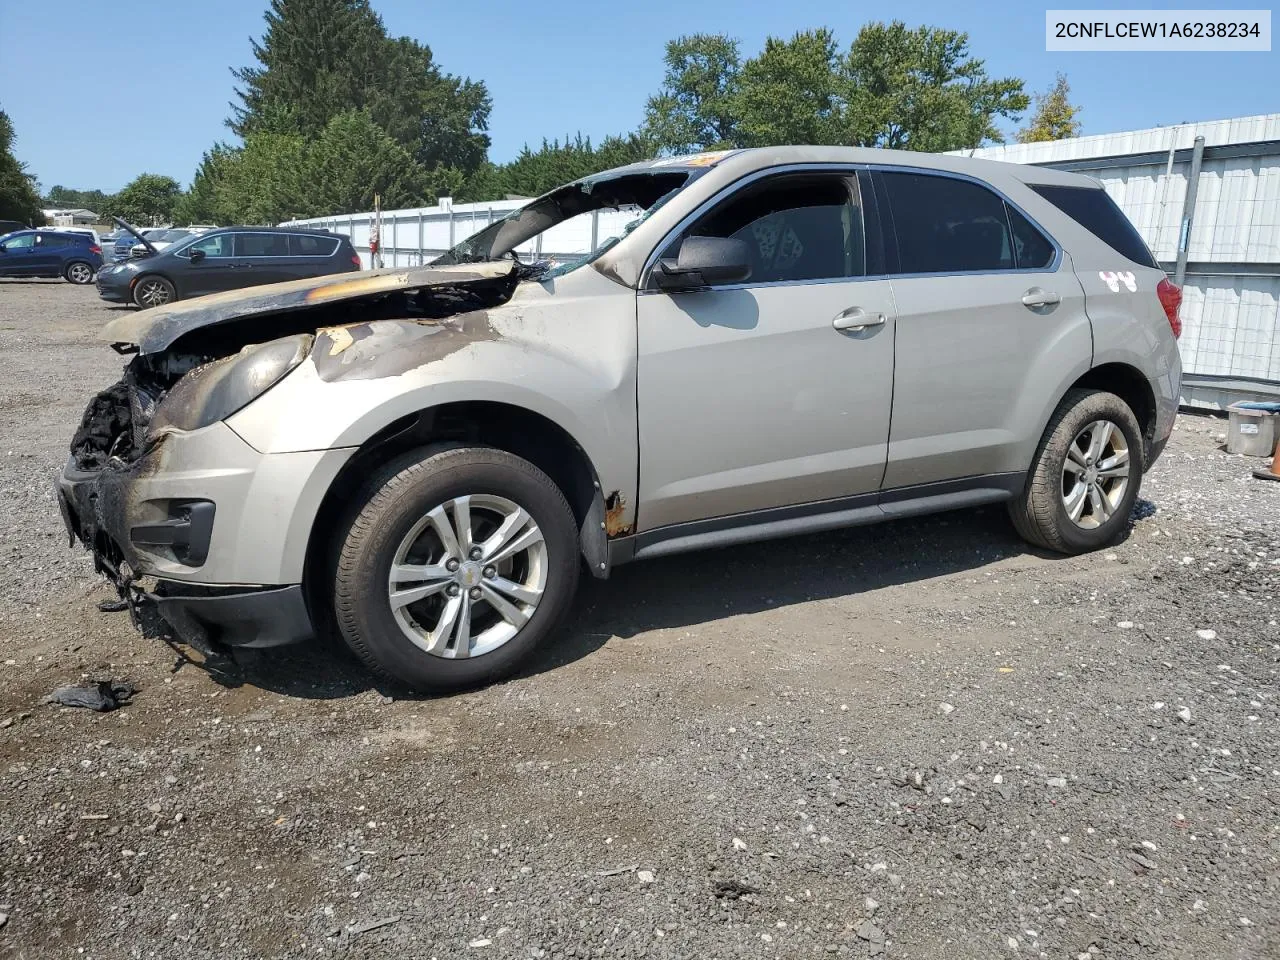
(1171, 299)
(355, 258)
(95, 249)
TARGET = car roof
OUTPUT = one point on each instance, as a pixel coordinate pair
(717, 170)
(252, 229)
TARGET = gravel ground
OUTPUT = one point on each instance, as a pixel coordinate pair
(915, 740)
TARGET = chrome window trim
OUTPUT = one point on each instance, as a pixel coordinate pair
(854, 168)
(337, 245)
(289, 256)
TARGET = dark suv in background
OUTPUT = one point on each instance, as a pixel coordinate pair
(49, 253)
(225, 259)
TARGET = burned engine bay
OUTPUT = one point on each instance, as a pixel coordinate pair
(117, 424)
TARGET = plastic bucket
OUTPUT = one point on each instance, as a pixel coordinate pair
(1253, 428)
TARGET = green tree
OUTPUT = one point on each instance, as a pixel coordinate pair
(148, 199)
(18, 197)
(1054, 117)
(482, 183)
(791, 92)
(322, 58)
(922, 90)
(695, 109)
(534, 172)
(897, 87)
(65, 197)
(353, 159)
(280, 176)
(201, 204)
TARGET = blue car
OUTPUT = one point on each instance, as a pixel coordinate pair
(49, 253)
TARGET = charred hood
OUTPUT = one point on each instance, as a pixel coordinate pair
(224, 322)
(189, 336)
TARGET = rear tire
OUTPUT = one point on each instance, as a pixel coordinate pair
(1085, 477)
(430, 589)
(79, 273)
(153, 291)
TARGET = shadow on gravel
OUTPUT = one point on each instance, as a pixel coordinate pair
(688, 589)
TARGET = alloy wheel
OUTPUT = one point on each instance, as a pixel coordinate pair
(153, 293)
(80, 273)
(1095, 474)
(468, 576)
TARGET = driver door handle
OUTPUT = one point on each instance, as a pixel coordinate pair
(855, 318)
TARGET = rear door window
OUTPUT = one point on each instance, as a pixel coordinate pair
(1031, 248)
(948, 225)
(1096, 212)
(301, 245)
(262, 245)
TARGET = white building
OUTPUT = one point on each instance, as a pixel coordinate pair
(70, 217)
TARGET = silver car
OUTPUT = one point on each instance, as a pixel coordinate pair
(781, 341)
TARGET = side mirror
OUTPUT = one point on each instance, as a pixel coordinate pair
(703, 262)
(197, 256)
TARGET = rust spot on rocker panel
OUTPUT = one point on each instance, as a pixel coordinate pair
(616, 521)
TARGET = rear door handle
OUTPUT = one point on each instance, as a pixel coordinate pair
(1035, 297)
(855, 318)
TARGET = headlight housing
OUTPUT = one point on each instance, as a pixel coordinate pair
(216, 390)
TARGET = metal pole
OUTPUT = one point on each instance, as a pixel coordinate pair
(1189, 210)
(420, 257)
(1164, 195)
(595, 229)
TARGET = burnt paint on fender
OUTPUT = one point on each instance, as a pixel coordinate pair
(389, 348)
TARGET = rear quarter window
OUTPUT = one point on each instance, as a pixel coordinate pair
(305, 246)
(1096, 212)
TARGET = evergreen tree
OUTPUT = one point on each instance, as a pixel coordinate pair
(18, 197)
(201, 203)
(1055, 115)
(322, 58)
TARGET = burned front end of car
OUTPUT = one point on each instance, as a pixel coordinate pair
(179, 510)
(153, 466)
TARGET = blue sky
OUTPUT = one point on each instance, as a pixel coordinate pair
(101, 91)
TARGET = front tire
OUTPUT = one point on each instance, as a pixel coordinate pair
(456, 566)
(1085, 477)
(79, 273)
(153, 291)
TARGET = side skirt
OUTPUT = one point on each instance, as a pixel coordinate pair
(816, 517)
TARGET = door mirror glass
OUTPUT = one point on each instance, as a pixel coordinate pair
(704, 261)
(197, 255)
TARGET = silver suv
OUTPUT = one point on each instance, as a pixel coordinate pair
(780, 341)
